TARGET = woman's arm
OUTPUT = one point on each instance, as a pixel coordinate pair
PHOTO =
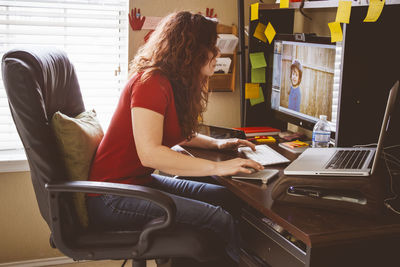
(201, 141)
(148, 131)
(207, 142)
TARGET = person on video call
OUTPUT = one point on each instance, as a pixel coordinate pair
(160, 107)
(296, 72)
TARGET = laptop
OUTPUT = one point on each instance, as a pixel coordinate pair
(344, 161)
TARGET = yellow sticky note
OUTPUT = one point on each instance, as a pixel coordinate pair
(254, 11)
(284, 4)
(270, 32)
(336, 32)
(260, 99)
(343, 12)
(374, 10)
(252, 90)
(259, 32)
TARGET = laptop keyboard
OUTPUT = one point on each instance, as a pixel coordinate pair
(348, 159)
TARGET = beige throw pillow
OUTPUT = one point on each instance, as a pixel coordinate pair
(78, 139)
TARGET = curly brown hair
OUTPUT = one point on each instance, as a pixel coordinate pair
(178, 48)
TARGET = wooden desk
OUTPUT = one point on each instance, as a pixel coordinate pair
(328, 238)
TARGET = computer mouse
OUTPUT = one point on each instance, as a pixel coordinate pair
(251, 169)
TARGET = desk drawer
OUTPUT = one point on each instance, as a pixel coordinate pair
(268, 245)
(247, 260)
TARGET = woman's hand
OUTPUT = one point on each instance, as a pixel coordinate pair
(237, 165)
(233, 144)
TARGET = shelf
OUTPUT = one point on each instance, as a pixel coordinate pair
(225, 82)
(221, 82)
(323, 4)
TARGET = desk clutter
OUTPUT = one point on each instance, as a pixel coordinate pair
(290, 136)
(281, 231)
(296, 146)
(257, 131)
(262, 139)
(359, 195)
(353, 195)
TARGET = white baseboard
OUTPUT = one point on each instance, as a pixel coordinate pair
(39, 262)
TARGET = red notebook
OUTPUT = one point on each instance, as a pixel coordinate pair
(262, 130)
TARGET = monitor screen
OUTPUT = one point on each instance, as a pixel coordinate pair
(305, 81)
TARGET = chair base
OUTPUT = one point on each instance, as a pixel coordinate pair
(140, 263)
(161, 261)
(185, 262)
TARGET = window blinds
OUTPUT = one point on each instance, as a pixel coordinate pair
(94, 34)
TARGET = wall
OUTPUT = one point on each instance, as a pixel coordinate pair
(24, 234)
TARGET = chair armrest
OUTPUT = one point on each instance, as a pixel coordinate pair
(137, 191)
(162, 199)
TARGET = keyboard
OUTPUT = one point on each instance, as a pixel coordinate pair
(348, 159)
(264, 155)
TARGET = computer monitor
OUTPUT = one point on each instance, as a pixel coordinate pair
(305, 80)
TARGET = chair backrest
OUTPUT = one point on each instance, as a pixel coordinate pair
(38, 83)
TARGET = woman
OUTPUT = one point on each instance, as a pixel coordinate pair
(158, 109)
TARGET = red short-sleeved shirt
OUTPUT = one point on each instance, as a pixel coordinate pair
(116, 159)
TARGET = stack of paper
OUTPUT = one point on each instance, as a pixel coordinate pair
(222, 65)
(295, 146)
(257, 131)
(227, 43)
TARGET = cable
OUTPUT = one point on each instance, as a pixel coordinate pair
(392, 156)
(375, 144)
(388, 147)
(391, 208)
(385, 201)
(302, 10)
(393, 162)
(393, 159)
(372, 144)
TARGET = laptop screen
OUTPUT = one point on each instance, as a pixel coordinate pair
(385, 124)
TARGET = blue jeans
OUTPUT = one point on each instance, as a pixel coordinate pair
(197, 204)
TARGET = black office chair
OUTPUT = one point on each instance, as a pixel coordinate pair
(39, 83)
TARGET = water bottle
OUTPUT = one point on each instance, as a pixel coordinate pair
(321, 133)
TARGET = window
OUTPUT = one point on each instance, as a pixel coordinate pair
(94, 34)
